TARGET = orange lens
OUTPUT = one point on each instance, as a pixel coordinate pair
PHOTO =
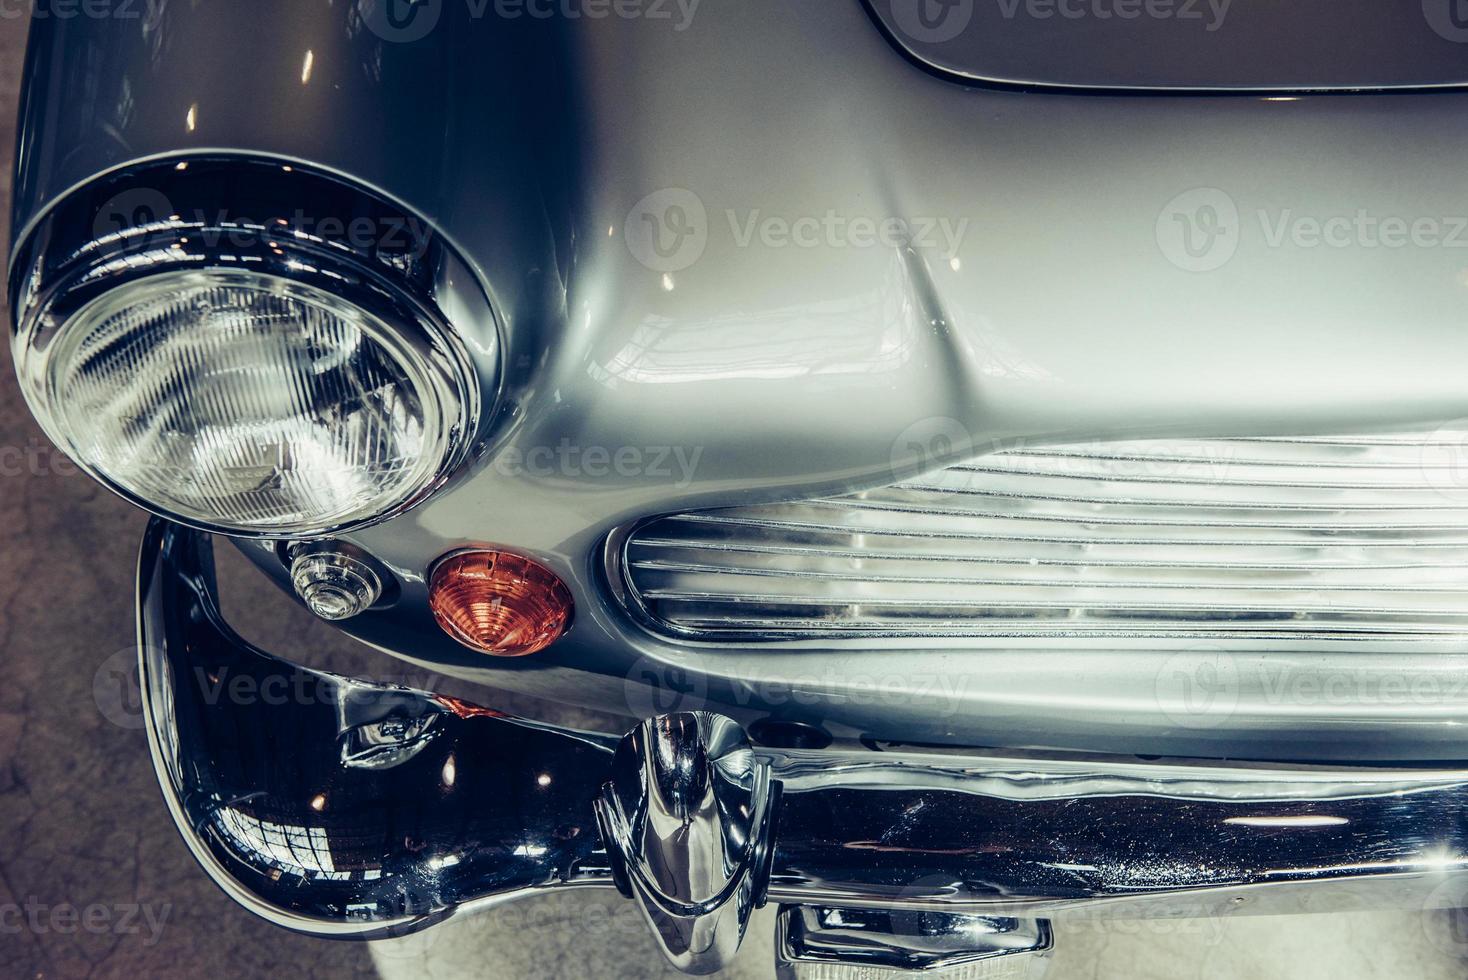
(498, 603)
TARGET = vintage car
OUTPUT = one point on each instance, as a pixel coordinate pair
(1006, 459)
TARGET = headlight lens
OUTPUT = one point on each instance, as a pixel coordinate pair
(246, 400)
(226, 361)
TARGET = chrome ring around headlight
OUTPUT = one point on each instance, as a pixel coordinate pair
(203, 348)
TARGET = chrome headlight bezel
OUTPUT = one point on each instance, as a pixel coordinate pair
(232, 215)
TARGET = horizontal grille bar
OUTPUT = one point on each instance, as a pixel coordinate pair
(1351, 535)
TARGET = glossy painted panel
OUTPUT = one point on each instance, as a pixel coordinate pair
(1066, 267)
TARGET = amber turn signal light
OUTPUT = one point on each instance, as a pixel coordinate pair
(498, 603)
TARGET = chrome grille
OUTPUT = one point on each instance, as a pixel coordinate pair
(1238, 537)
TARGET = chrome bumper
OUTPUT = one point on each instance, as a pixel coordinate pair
(342, 808)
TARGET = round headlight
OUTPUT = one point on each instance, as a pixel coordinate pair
(265, 384)
(248, 401)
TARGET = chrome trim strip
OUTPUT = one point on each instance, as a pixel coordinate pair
(1290, 540)
(986, 834)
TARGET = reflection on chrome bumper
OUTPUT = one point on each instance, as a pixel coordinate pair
(810, 941)
(343, 808)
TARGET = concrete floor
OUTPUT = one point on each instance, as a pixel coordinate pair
(95, 882)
